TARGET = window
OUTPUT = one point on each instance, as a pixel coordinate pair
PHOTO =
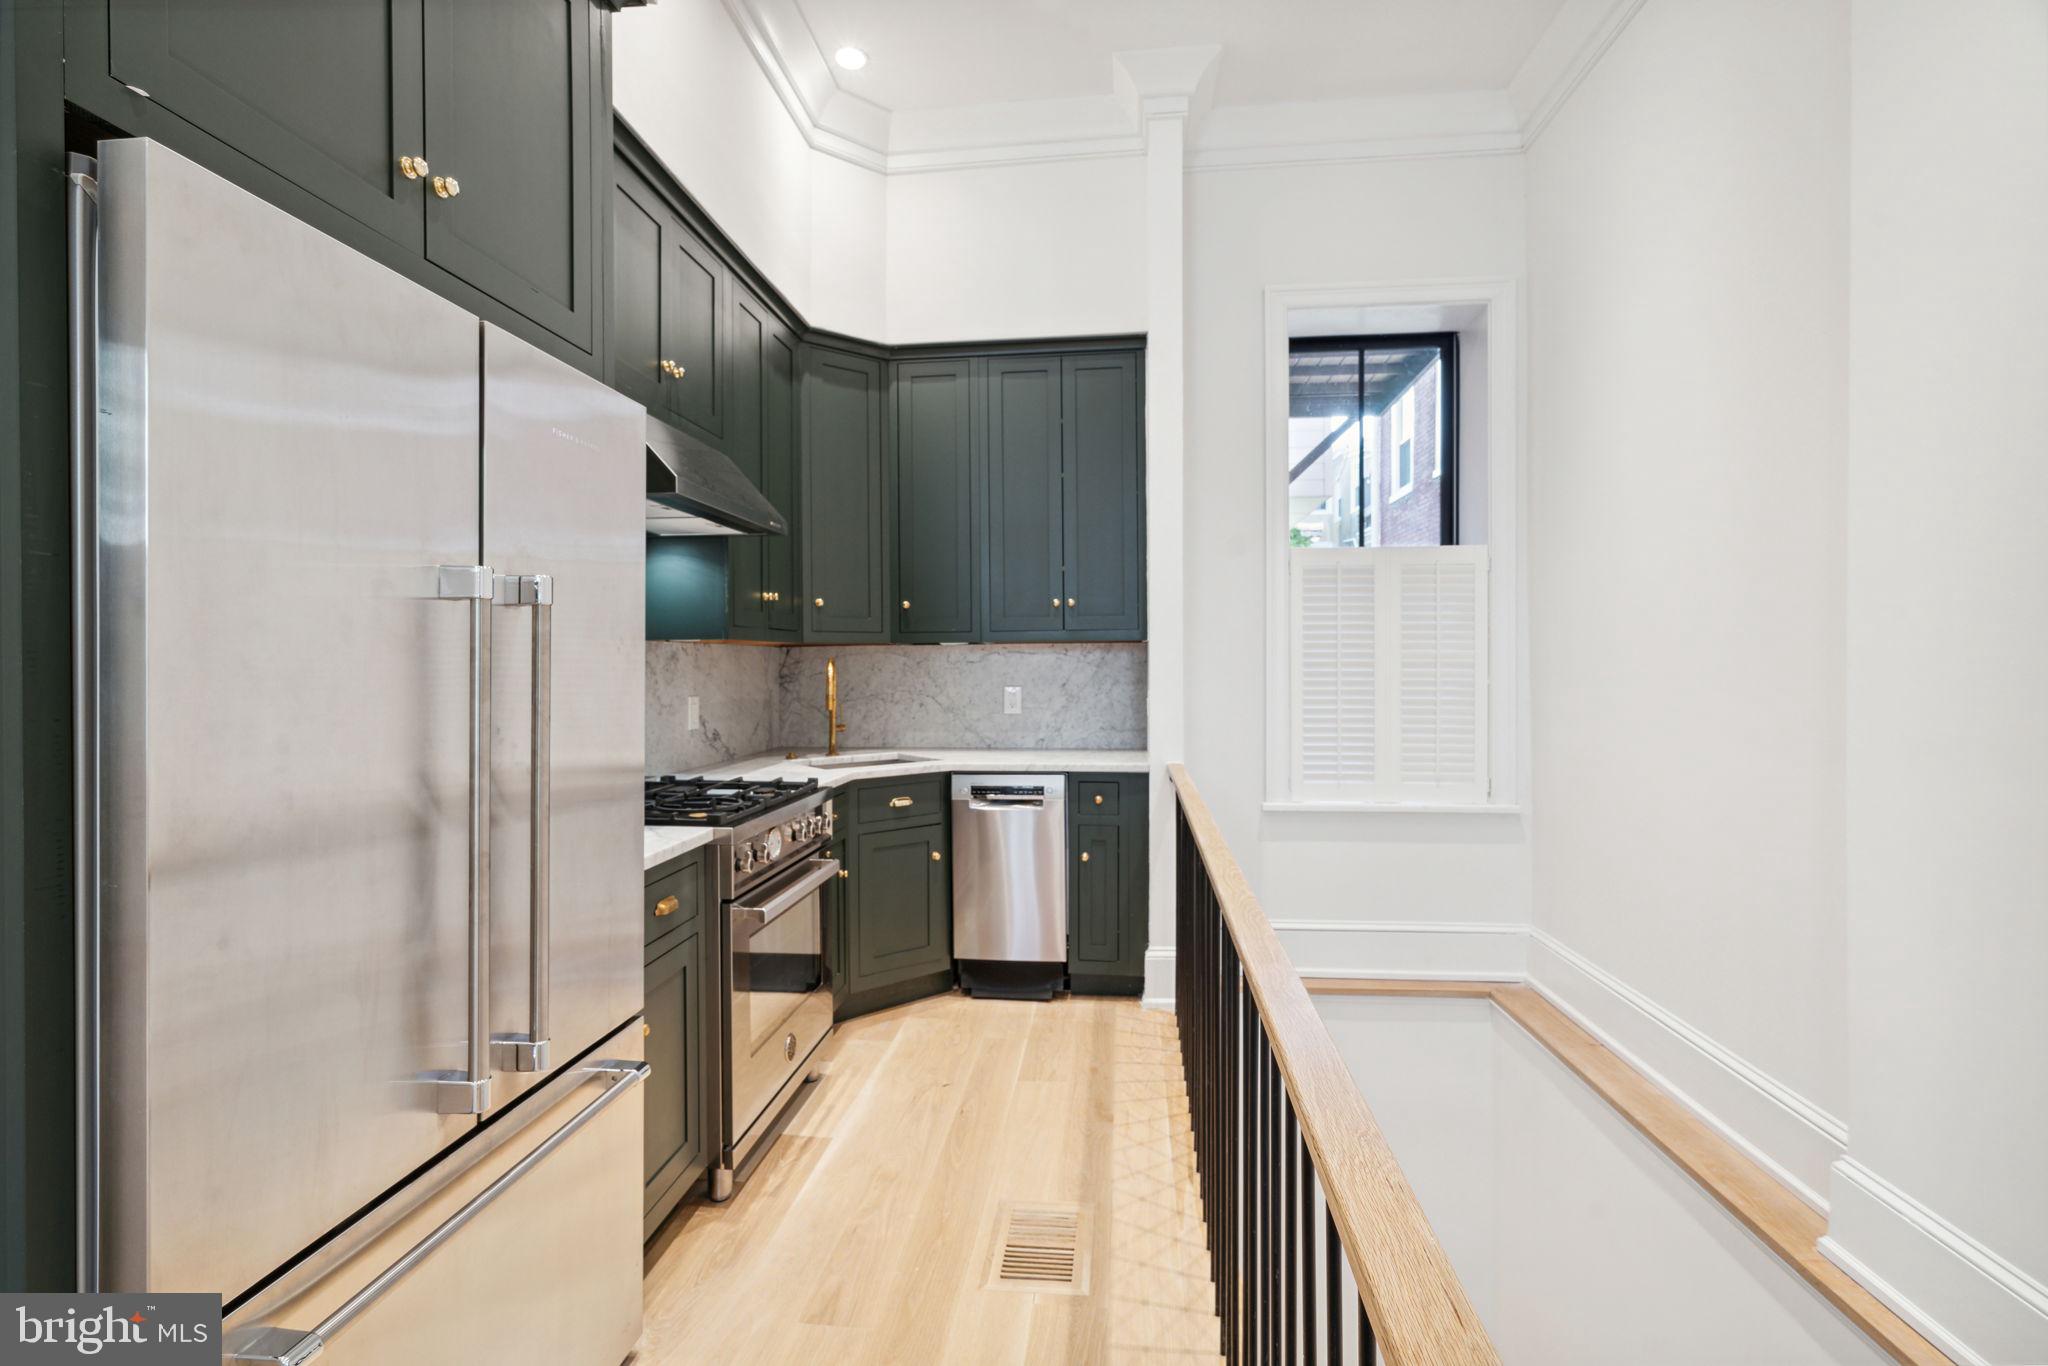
(1372, 441)
(1403, 442)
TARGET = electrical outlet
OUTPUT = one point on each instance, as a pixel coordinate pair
(695, 719)
(1013, 701)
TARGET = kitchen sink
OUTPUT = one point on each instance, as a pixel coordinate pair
(872, 759)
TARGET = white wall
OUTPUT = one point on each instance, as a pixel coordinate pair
(1383, 222)
(1037, 250)
(1948, 661)
(688, 83)
(1688, 294)
(1577, 1241)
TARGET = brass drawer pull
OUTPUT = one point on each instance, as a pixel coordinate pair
(899, 802)
(1098, 799)
(668, 905)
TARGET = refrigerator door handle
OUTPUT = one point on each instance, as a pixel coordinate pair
(292, 1347)
(528, 1052)
(468, 1092)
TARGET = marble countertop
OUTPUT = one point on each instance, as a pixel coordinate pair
(664, 842)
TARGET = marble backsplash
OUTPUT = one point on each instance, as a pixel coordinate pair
(752, 698)
(735, 688)
(1079, 696)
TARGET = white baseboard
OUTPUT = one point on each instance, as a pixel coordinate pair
(1158, 978)
(1966, 1299)
(1407, 950)
(1796, 1140)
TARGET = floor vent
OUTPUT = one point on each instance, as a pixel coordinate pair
(1041, 1249)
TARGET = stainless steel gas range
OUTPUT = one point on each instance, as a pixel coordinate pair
(770, 840)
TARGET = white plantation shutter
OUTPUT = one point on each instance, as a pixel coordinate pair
(1335, 684)
(1388, 666)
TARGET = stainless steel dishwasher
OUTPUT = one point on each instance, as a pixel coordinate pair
(1010, 883)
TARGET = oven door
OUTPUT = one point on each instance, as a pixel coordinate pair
(781, 1000)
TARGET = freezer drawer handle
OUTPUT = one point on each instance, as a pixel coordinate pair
(528, 1052)
(290, 1347)
(468, 1092)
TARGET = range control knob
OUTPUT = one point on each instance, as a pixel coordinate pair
(773, 848)
(743, 859)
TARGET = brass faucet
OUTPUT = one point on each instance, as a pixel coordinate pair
(832, 726)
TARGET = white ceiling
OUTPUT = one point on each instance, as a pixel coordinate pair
(935, 54)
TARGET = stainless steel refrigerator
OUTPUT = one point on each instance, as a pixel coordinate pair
(361, 635)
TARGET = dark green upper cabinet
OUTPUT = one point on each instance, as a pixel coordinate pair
(760, 436)
(1104, 497)
(694, 289)
(348, 115)
(640, 227)
(329, 95)
(843, 498)
(934, 482)
(510, 199)
(779, 561)
(1025, 543)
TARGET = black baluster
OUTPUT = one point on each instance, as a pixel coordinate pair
(1306, 1221)
(1289, 1233)
(1364, 1334)
(1333, 1283)
(1273, 1166)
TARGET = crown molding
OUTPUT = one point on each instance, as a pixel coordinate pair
(1174, 83)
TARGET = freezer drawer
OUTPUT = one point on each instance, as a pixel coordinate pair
(545, 1272)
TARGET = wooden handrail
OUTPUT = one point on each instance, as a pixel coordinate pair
(1414, 1299)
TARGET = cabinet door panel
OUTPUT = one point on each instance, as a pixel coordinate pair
(745, 393)
(675, 1111)
(694, 291)
(779, 569)
(1025, 517)
(843, 498)
(903, 906)
(508, 116)
(327, 96)
(1104, 483)
(1095, 936)
(639, 228)
(934, 501)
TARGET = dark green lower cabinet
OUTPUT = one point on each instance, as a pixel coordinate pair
(891, 919)
(681, 1028)
(905, 926)
(1107, 883)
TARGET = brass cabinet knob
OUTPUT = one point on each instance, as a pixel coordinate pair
(412, 168)
(899, 802)
(1070, 602)
(844, 874)
(447, 186)
(906, 604)
(936, 856)
(1055, 602)
(817, 602)
(668, 905)
(645, 1029)
(1098, 799)
(1084, 858)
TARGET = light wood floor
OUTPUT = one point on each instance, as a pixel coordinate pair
(866, 1235)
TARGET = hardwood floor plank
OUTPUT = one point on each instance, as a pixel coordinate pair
(867, 1234)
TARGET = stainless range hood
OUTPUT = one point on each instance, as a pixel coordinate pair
(693, 490)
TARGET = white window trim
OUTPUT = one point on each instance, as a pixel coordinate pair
(1401, 490)
(1508, 668)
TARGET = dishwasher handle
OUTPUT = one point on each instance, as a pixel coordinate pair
(1006, 804)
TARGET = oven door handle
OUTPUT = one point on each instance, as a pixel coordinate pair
(817, 873)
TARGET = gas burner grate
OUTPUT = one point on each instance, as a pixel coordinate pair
(677, 800)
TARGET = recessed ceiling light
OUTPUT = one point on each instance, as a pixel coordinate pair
(850, 58)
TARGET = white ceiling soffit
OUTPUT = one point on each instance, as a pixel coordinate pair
(1073, 126)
